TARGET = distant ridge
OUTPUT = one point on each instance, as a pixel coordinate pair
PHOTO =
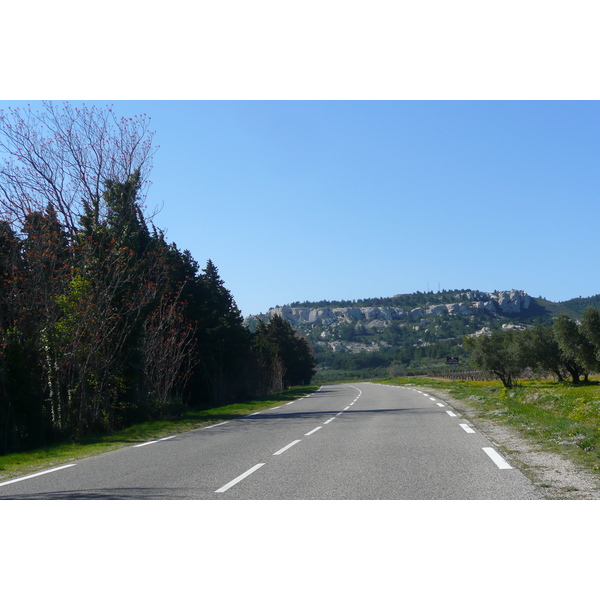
(538, 307)
(574, 308)
(406, 333)
(403, 333)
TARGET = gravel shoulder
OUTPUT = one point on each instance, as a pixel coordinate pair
(555, 476)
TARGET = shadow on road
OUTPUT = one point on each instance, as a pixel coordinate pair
(325, 413)
(106, 494)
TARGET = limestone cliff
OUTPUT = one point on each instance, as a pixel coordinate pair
(507, 303)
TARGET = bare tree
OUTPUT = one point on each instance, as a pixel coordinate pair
(63, 156)
(276, 375)
(168, 349)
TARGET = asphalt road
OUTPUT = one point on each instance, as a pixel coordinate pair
(359, 441)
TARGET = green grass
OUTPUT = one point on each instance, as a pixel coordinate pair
(13, 465)
(559, 417)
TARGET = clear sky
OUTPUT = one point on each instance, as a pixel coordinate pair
(312, 200)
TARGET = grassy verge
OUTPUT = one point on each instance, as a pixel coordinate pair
(558, 417)
(13, 465)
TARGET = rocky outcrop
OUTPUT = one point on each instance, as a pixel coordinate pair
(295, 316)
(450, 309)
(505, 327)
(500, 303)
(504, 303)
(512, 302)
(328, 316)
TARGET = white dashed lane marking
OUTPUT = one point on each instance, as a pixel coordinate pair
(238, 479)
(285, 448)
(500, 462)
(315, 429)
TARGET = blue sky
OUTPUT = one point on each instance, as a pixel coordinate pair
(311, 200)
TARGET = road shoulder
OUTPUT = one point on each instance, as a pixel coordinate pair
(556, 477)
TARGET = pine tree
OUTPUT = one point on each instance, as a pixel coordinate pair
(223, 341)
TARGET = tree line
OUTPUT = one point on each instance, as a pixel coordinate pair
(406, 301)
(565, 349)
(102, 321)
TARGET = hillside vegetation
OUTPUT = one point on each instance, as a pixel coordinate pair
(573, 308)
(409, 341)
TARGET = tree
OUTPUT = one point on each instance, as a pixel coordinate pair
(499, 353)
(170, 336)
(101, 321)
(12, 374)
(590, 328)
(46, 259)
(284, 357)
(223, 344)
(94, 360)
(63, 156)
(578, 352)
(168, 350)
(542, 351)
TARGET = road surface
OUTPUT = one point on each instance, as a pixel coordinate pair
(346, 441)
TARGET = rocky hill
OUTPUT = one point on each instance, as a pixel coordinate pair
(412, 329)
(468, 304)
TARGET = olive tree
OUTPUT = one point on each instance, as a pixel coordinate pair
(577, 350)
(499, 353)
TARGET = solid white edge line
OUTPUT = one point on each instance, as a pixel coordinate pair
(500, 462)
(467, 428)
(238, 479)
(36, 474)
(285, 448)
(315, 429)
